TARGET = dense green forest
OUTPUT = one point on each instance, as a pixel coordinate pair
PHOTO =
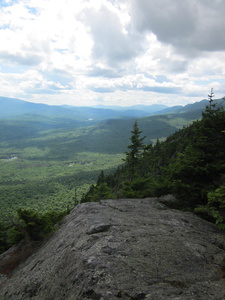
(43, 170)
(50, 165)
(189, 164)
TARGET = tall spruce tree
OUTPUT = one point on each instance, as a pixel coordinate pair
(210, 97)
(135, 150)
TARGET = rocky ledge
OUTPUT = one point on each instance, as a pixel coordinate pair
(124, 249)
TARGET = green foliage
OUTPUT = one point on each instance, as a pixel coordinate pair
(135, 150)
(32, 226)
(4, 244)
(32, 182)
(216, 204)
(13, 235)
(98, 192)
(217, 197)
(189, 164)
(198, 168)
(204, 212)
(136, 188)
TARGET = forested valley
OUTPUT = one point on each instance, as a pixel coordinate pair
(50, 166)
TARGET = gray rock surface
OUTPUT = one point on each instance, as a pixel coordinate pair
(124, 249)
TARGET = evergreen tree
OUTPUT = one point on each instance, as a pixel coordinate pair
(136, 148)
(210, 97)
(197, 170)
(101, 178)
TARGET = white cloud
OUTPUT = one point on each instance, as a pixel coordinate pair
(117, 52)
(112, 43)
(190, 26)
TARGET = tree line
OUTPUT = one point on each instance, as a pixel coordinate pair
(190, 164)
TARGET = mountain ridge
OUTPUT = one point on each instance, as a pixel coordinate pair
(16, 108)
(12, 107)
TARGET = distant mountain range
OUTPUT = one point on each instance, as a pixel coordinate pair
(15, 108)
(143, 108)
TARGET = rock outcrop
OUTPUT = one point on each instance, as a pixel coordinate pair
(124, 249)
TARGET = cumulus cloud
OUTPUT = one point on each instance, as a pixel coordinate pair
(191, 26)
(116, 52)
(98, 70)
(112, 43)
(24, 58)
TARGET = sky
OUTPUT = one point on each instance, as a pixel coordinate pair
(112, 52)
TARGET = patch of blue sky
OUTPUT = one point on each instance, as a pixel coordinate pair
(5, 3)
(12, 69)
(4, 27)
(61, 50)
(149, 76)
(158, 78)
(162, 78)
(32, 10)
(205, 82)
(220, 80)
(65, 51)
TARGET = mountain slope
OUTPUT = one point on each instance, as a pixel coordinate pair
(189, 164)
(194, 107)
(109, 136)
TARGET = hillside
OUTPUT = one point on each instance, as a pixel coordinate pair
(189, 164)
(194, 107)
(125, 249)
